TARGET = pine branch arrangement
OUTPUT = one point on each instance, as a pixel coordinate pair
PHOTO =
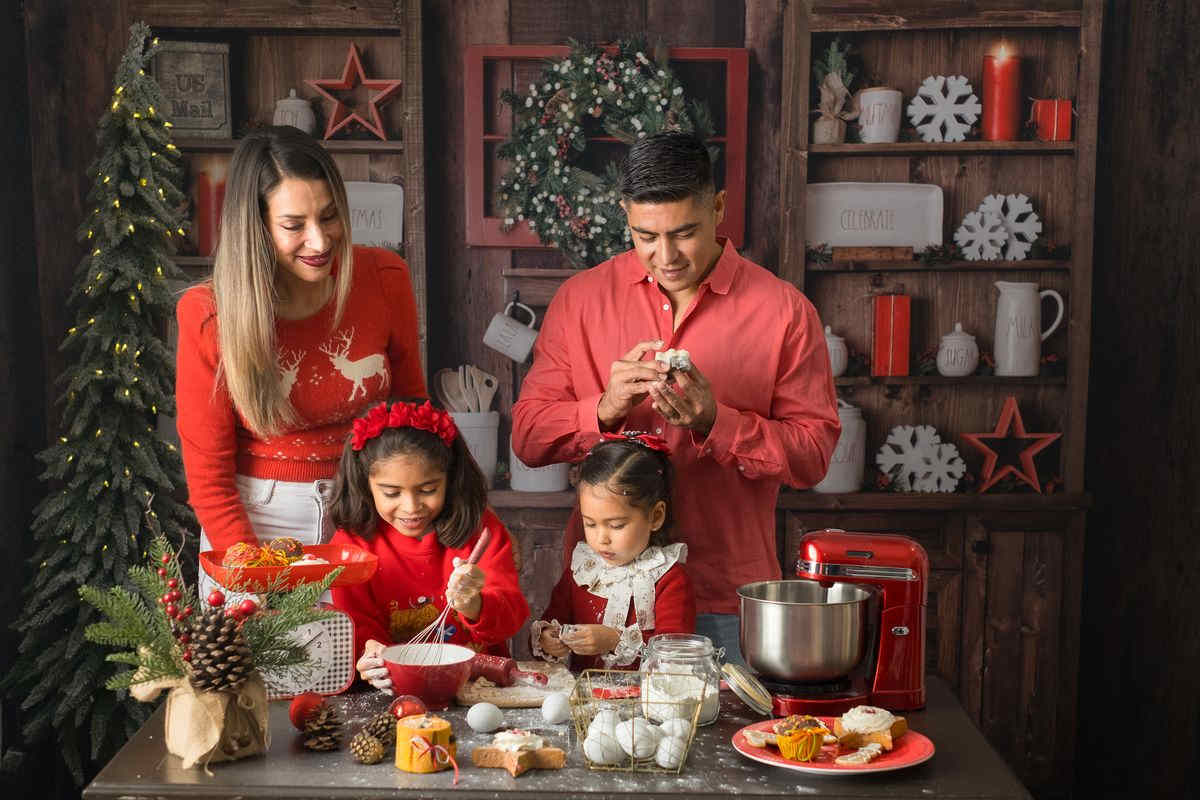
(626, 95)
(109, 461)
(835, 60)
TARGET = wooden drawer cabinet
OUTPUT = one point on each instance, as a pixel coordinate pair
(538, 546)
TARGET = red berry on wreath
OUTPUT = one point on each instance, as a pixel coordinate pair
(166, 558)
(173, 583)
(406, 705)
(216, 598)
(162, 573)
(172, 609)
(187, 612)
(166, 598)
(247, 607)
(185, 638)
(302, 707)
(187, 655)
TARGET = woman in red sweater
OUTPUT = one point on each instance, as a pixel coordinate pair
(408, 490)
(625, 583)
(294, 336)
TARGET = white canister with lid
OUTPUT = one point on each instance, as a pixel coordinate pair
(839, 356)
(295, 111)
(848, 464)
(958, 354)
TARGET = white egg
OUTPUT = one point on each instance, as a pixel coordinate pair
(555, 708)
(600, 748)
(606, 721)
(638, 738)
(679, 728)
(670, 752)
(484, 717)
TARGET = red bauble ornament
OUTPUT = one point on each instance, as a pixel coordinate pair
(216, 598)
(172, 610)
(407, 705)
(247, 607)
(162, 573)
(166, 598)
(187, 655)
(302, 707)
(187, 612)
(166, 558)
(185, 638)
(173, 583)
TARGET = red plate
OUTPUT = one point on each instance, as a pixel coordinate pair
(357, 567)
(910, 749)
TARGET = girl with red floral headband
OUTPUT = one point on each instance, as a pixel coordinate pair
(408, 490)
(626, 581)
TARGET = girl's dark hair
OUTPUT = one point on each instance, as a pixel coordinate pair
(640, 475)
(353, 507)
(665, 168)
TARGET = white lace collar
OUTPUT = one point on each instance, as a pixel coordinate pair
(630, 582)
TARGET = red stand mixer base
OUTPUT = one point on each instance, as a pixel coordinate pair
(832, 706)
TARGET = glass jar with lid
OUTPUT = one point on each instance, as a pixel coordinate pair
(679, 669)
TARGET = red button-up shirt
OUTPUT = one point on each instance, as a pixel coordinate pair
(760, 344)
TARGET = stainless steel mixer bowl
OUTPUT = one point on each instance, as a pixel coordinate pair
(799, 630)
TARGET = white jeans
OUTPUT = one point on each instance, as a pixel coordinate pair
(280, 508)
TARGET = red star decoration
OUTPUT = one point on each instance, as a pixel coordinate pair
(1010, 418)
(352, 75)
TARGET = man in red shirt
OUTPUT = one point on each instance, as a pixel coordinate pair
(756, 410)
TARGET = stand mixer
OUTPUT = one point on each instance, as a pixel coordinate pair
(850, 631)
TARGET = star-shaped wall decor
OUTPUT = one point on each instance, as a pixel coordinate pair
(352, 75)
(1010, 427)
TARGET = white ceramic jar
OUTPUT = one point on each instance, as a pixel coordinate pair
(295, 111)
(846, 467)
(839, 356)
(958, 354)
(879, 114)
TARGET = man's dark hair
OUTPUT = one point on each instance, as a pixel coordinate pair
(665, 168)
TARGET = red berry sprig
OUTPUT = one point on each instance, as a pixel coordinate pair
(216, 598)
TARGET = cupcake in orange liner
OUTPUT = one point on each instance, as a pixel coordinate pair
(241, 554)
(801, 744)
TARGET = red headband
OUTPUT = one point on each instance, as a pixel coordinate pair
(404, 415)
(644, 439)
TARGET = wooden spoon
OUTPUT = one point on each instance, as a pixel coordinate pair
(446, 382)
(485, 387)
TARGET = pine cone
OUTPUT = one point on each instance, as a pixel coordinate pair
(383, 728)
(323, 730)
(221, 659)
(366, 749)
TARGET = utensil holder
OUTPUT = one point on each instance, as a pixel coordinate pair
(481, 431)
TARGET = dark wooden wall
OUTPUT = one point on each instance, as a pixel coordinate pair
(1138, 685)
(1140, 659)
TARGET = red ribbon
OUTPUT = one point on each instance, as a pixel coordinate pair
(656, 443)
(440, 754)
(404, 415)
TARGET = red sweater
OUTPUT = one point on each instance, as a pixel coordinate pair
(674, 610)
(332, 376)
(409, 590)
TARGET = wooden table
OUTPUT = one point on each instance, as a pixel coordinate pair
(965, 766)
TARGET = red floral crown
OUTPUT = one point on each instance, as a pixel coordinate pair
(646, 440)
(404, 415)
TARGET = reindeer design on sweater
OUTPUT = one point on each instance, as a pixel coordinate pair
(289, 368)
(356, 371)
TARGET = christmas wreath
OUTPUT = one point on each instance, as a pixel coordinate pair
(625, 94)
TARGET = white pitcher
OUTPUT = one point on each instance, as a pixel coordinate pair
(1019, 334)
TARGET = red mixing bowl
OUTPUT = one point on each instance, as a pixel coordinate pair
(433, 672)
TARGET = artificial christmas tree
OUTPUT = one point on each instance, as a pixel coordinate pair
(108, 465)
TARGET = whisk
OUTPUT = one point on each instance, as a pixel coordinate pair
(426, 642)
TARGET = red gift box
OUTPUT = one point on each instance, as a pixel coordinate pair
(1053, 120)
(893, 318)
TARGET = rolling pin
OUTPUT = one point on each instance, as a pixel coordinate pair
(504, 671)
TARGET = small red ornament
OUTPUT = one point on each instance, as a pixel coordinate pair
(166, 558)
(302, 707)
(216, 598)
(407, 705)
(247, 607)
(187, 655)
(173, 583)
(166, 598)
(185, 638)
(172, 610)
(187, 612)
(353, 75)
(162, 573)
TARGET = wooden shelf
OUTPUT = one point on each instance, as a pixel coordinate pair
(792, 500)
(946, 16)
(1030, 265)
(537, 286)
(940, 148)
(940, 380)
(196, 144)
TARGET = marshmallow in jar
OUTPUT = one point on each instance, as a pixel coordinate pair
(839, 356)
(958, 354)
(846, 467)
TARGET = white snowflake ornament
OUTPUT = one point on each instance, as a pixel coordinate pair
(919, 461)
(944, 108)
(1016, 214)
(981, 236)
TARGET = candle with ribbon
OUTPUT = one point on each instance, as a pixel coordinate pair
(1001, 96)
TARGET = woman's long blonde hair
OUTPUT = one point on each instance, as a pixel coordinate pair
(243, 281)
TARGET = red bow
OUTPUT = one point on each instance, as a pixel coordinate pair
(656, 443)
(404, 415)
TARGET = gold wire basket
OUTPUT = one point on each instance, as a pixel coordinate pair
(619, 729)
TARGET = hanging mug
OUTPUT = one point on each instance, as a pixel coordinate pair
(1019, 333)
(510, 336)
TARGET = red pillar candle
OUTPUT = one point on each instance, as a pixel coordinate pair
(1001, 97)
(208, 195)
